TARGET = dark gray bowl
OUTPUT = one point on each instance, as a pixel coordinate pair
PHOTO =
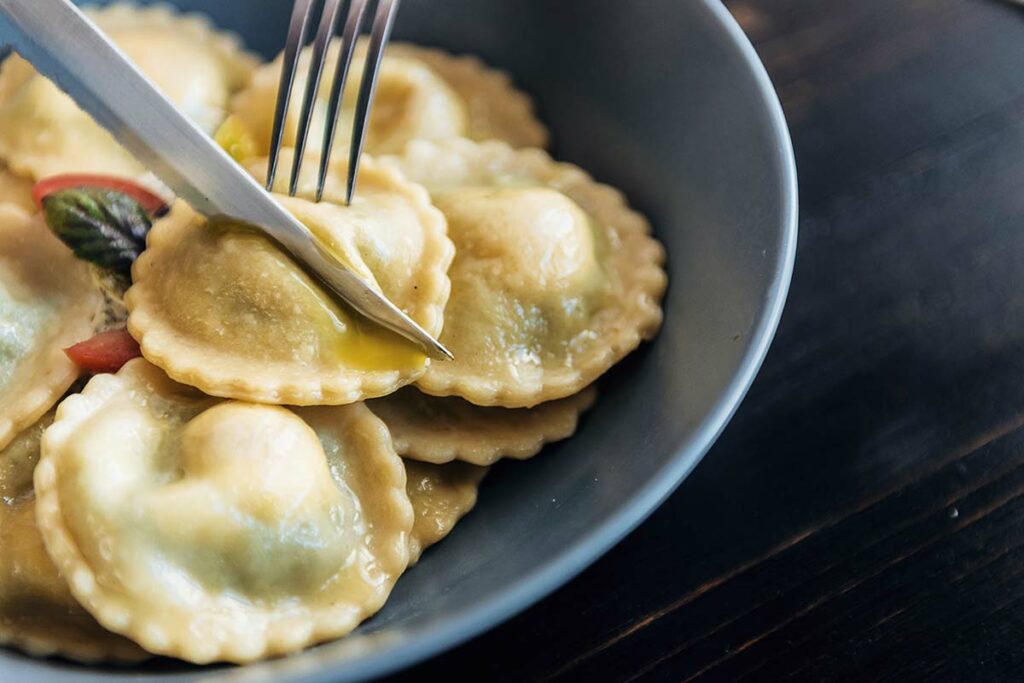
(666, 100)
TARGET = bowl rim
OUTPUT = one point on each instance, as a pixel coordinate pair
(589, 547)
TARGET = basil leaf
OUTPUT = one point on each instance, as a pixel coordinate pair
(102, 226)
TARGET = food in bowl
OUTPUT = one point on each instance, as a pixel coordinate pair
(203, 454)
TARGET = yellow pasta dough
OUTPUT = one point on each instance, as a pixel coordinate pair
(440, 429)
(421, 94)
(220, 530)
(16, 191)
(37, 612)
(554, 281)
(226, 311)
(44, 133)
(495, 108)
(47, 303)
(441, 495)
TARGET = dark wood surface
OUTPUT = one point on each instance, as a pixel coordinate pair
(863, 516)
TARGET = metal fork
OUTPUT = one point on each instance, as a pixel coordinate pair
(298, 29)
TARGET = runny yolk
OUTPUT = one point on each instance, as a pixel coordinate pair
(345, 336)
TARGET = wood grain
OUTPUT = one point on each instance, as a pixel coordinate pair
(862, 519)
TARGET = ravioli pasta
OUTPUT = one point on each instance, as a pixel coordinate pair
(47, 303)
(421, 94)
(225, 310)
(495, 108)
(43, 132)
(222, 530)
(441, 429)
(37, 612)
(555, 278)
(441, 495)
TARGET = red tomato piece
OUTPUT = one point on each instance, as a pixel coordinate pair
(149, 201)
(105, 352)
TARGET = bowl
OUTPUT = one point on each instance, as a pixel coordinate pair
(668, 101)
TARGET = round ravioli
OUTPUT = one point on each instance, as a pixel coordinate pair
(439, 429)
(37, 612)
(495, 108)
(224, 309)
(421, 94)
(44, 133)
(219, 530)
(555, 278)
(47, 302)
(441, 495)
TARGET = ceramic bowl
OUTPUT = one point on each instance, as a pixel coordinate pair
(667, 101)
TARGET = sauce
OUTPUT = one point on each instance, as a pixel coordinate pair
(290, 306)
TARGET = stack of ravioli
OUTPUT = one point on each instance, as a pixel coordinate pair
(261, 477)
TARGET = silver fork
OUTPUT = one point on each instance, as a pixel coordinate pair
(298, 29)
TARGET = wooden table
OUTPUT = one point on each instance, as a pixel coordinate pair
(862, 518)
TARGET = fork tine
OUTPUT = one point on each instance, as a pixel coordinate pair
(383, 21)
(328, 23)
(298, 27)
(348, 43)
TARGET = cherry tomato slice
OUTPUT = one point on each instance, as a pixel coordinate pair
(105, 352)
(149, 201)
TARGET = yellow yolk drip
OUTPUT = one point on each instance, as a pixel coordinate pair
(236, 139)
(317, 327)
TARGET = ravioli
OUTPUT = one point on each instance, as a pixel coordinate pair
(16, 191)
(37, 612)
(495, 108)
(421, 94)
(47, 303)
(225, 310)
(221, 530)
(44, 133)
(440, 429)
(441, 495)
(555, 278)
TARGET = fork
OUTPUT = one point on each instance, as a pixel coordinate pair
(298, 29)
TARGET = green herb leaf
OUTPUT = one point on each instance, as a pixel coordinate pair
(105, 227)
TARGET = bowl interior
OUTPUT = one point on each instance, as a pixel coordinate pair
(666, 101)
